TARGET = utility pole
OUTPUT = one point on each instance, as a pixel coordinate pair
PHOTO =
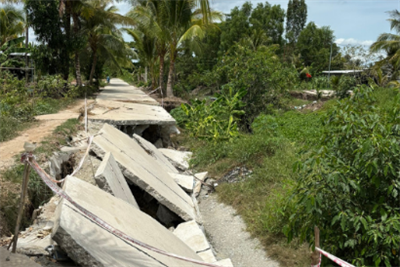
(329, 74)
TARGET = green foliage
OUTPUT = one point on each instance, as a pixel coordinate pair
(264, 124)
(180, 116)
(314, 46)
(261, 74)
(9, 126)
(349, 185)
(296, 18)
(53, 32)
(343, 84)
(217, 120)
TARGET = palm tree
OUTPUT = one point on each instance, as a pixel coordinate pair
(71, 8)
(12, 23)
(99, 24)
(172, 23)
(149, 18)
(145, 47)
(390, 43)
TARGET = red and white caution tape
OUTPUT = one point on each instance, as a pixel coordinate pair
(335, 259)
(319, 263)
(29, 158)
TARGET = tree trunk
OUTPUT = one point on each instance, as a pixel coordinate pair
(26, 46)
(162, 55)
(68, 36)
(93, 67)
(145, 74)
(77, 61)
(170, 92)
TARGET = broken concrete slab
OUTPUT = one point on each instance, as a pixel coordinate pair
(184, 181)
(35, 240)
(207, 256)
(15, 260)
(118, 113)
(201, 177)
(155, 153)
(143, 170)
(224, 263)
(179, 159)
(91, 245)
(110, 178)
(193, 236)
(119, 90)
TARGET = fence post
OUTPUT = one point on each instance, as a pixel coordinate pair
(315, 256)
(28, 148)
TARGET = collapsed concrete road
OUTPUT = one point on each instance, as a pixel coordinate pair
(109, 178)
(143, 170)
(145, 192)
(90, 245)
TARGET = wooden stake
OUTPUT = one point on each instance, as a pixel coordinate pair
(315, 255)
(21, 205)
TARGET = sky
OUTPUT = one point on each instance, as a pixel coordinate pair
(354, 22)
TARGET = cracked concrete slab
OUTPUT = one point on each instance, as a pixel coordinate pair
(143, 170)
(201, 177)
(119, 113)
(156, 154)
(90, 245)
(179, 159)
(184, 181)
(193, 236)
(110, 178)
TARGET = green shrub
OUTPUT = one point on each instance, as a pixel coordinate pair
(180, 116)
(217, 120)
(349, 185)
(264, 124)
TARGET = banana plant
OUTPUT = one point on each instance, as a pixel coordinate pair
(11, 46)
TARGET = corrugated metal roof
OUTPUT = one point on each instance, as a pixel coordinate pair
(342, 71)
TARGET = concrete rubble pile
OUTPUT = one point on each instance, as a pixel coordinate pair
(147, 192)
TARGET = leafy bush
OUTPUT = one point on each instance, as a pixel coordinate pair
(343, 84)
(217, 120)
(180, 116)
(261, 74)
(350, 186)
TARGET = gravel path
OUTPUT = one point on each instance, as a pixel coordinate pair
(226, 232)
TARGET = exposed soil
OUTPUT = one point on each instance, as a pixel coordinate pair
(45, 126)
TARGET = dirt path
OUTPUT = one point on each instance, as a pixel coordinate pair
(47, 124)
(226, 232)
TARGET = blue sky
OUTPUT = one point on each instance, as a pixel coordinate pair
(353, 21)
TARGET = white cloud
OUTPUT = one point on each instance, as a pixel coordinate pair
(352, 41)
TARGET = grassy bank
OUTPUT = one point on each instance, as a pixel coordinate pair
(278, 142)
(267, 198)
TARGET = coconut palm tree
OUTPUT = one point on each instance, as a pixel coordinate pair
(174, 22)
(149, 18)
(390, 43)
(103, 36)
(12, 23)
(145, 48)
